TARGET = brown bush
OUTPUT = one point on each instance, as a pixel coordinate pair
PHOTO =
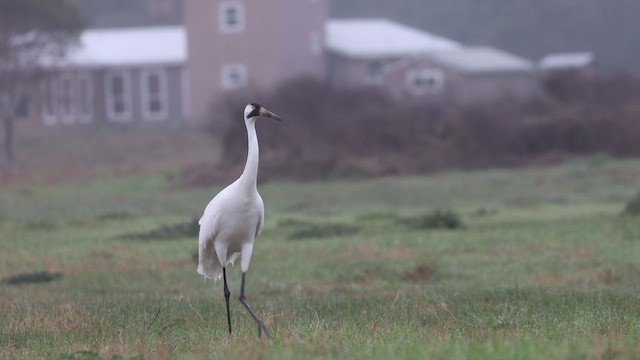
(364, 132)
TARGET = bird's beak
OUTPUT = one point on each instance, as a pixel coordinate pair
(266, 113)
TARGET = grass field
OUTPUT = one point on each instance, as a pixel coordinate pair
(544, 267)
(59, 153)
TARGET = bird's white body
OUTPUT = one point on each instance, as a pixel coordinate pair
(229, 226)
(233, 219)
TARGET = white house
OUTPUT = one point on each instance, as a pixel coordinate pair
(408, 61)
(118, 75)
(567, 61)
(174, 72)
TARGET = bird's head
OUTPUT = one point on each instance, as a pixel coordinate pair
(255, 110)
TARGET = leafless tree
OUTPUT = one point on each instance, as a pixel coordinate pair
(34, 34)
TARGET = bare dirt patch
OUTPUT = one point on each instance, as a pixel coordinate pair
(580, 252)
(464, 250)
(372, 252)
(420, 273)
(606, 276)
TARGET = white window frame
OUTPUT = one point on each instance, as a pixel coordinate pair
(223, 9)
(238, 68)
(162, 95)
(67, 99)
(49, 91)
(315, 43)
(127, 100)
(85, 117)
(186, 93)
(437, 75)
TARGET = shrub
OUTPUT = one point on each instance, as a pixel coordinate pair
(378, 215)
(40, 225)
(439, 219)
(331, 132)
(115, 216)
(168, 232)
(32, 278)
(633, 206)
(300, 229)
(92, 355)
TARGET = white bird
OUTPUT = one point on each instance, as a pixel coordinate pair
(233, 220)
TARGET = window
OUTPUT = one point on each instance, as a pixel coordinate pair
(154, 94)
(67, 99)
(234, 76)
(22, 108)
(231, 17)
(118, 90)
(315, 43)
(85, 98)
(374, 72)
(48, 90)
(425, 81)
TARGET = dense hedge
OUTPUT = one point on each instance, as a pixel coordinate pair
(364, 132)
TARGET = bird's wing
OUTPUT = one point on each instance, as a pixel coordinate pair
(211, 212)
(208, 263)
(260, 223)
(259, 227)
(207, 222)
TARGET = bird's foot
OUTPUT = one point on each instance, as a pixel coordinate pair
(262, 328)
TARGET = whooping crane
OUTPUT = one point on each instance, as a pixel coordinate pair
(233, 220)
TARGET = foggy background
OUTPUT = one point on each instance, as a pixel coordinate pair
(365, 131)
(529, 28)
(451, 178)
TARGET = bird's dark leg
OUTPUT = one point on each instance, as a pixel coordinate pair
(243, 300)
(227, 293)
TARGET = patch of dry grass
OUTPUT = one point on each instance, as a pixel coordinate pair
(61, 153)
(548, 280)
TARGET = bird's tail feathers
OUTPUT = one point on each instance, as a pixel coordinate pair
(208, 263)
(209, 270)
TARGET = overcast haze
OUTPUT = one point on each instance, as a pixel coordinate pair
(530, 28)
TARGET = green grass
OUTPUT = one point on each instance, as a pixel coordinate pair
(544, 267)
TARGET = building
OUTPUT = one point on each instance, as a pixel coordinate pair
(118, 75)
(410, 62)
(481, 74)
(362, 52)
(240, 45)
(114, 14)
(173, 73)
(559, 62)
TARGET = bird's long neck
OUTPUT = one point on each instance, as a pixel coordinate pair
(250, 174)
